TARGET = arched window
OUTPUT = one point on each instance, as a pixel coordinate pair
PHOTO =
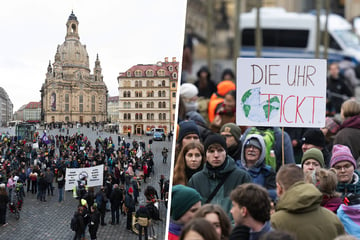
(163, 83)
(140, 116)
(148, 116)
(129, 116)
(163, 94)
(129, 94)
(125, 94)
(124, 104)
(147, 105)
(159, 105)
(136, 104)
(125, 116)
(160, 116)
(136, 84)
(140, 104)
(152, 104)
(152, 93)
(136, 116)
(152, 116)
(140, 94)
(159, 93)
(164, 116)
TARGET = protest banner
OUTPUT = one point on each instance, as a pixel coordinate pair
(94, 176)
(281, 92)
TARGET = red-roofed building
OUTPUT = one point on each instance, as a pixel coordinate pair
(32, 112)
(147, 97)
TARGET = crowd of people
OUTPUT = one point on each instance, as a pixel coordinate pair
(41, 170)
(251, 182)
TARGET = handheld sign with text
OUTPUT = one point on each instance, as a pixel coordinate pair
(281, 92)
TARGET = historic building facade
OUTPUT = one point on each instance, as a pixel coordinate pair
(147, 97)
(113, 109)
(70, 92)
(6, 108)
(32, 112)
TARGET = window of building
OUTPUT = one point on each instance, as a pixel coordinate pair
(140, 116)
(93, 103)
(152, 116)
(173, 85)
(136, 116)
(159, 105)
(136, 94)
(136, 104)
(161, 73)
(129, 94)
(125, 94)
(148, 83)
(124, 105)
(171, 68)
(152, 83)
(164, 116)
(149, 73)
(66, 107)
(138, 73)
(148, 116)
(136, 84)
(81, 100)
(163, 83)
(163, 94)
(140, 104)
(129, 116)
(152, 105)
(128, 74)
(174, 94)
(67, 119)
(160, 116)
(174, 75)
(159, 93)
(164, 105)
(125, 116)
(140, 94)
(174, 106)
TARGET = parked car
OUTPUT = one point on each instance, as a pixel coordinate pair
(149, 133)
(158, 136)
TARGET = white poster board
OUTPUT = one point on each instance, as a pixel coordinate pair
(94, 176)
(281, 92)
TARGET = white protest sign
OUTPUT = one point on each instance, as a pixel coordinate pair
(94, 176)
(281, 92)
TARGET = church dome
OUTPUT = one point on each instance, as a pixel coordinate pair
(72, 52)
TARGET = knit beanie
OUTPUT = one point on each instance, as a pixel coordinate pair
(224, 87)
(182, 199)
(188, 90)
(186, 128)
(213, 139)
(313, 153)
(315, 137)
(131, 190)
(231, 128)
(341, 153)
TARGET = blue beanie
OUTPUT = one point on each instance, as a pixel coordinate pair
(186, 128)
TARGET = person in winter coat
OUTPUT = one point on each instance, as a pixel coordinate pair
(185, 201)
(130, 207)
(349, 133)
(60, 179)
(143, 218)
(298, 210)
(101, 200)
(94, 222)
(253, 161)
(42, 184)
(345, 165)
(79, 223)
(116, 198)
(232, 134)
(4, 200)
(217, 167)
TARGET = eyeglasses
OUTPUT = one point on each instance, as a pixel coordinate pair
(345, 167)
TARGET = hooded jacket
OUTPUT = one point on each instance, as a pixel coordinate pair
(299, 211)
(349, 135)
(208, 178)
(260, 173)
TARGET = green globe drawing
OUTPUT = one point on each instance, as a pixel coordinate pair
(258, 111)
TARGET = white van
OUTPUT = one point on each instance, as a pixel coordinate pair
(293, 35)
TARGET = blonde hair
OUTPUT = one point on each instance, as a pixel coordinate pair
(350, 108)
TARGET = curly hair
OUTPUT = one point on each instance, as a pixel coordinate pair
(179, 176)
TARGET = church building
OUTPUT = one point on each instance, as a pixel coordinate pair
(70, 92)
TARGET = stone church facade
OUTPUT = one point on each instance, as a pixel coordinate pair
(70, 92)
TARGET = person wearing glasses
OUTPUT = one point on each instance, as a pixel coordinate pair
(345, 165)
(253, 161)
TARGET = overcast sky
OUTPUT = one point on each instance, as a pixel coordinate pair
(123, 32)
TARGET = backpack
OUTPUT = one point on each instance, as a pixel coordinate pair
(269, 139)
(74, 223)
